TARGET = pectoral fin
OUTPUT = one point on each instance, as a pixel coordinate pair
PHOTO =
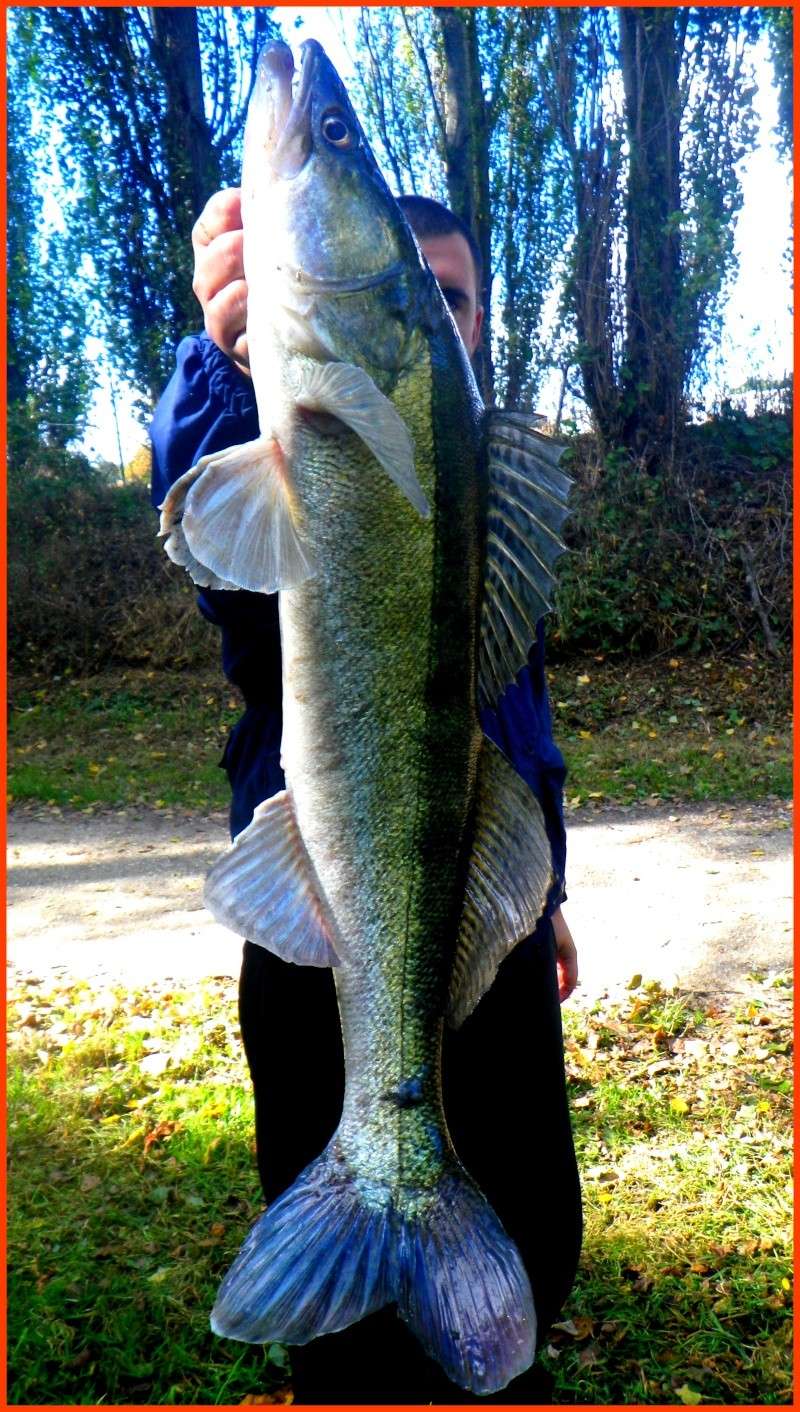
(527, 508)
(350, 394)
(265, 889)
(233, 522)
(508, 880)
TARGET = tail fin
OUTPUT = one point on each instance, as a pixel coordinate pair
(463, 1289)
(334, 1248)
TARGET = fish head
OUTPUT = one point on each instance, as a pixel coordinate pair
(324, 237)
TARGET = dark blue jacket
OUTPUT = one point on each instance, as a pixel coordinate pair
(208, 406)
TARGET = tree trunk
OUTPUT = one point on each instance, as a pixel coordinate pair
(652, 373)
(467, 156)
(193, 162)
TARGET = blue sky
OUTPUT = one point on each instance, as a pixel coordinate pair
(757, 336)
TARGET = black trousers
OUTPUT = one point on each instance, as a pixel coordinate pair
(506, 1105)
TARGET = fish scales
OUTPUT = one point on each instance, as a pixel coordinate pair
(398, 710)
(405, 851)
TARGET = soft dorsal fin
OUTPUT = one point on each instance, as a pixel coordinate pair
(527, 508)
(508, 879)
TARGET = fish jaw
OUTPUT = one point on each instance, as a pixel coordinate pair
(332, 268)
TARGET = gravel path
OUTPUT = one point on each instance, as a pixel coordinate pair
(698, 896)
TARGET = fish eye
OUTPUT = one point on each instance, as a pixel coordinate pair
(336, 131)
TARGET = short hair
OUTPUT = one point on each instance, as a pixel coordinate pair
(428, 217)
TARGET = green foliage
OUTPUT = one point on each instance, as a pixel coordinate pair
(144, 108)
(88, 581)
(665, 561)
(49, 378)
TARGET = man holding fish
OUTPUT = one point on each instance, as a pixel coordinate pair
(503, 1079)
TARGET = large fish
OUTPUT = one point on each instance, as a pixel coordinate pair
(411, 535)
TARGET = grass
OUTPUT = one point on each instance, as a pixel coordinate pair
(673, 728)
(665, 729)
(684, 1134)
(133, 1182)
(121, 739)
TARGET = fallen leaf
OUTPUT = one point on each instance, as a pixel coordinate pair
(689, 1395)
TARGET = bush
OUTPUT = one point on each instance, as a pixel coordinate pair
(89, 583)
(695, 558)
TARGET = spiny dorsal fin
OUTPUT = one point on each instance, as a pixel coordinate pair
(508, 879)
(527, 508)
(265, 889)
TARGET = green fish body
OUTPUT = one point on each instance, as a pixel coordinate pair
(410, 535)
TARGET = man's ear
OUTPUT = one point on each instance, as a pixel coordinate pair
(476, 330)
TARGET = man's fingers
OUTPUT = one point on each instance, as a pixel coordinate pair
(567, 970)
(566, 956)
(219, 282)
(222, 212)
(226, 320)
(218, 265)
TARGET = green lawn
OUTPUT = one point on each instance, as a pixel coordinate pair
(664, 729)
(133, 1182)
(132, 1177)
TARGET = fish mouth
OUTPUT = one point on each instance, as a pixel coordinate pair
(292, 130)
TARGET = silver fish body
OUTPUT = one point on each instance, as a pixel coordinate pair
(411, 538)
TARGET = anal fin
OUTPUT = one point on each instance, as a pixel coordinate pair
(508, 878)
(265, 889)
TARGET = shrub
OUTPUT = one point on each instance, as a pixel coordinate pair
(694, 558)
(89, 584)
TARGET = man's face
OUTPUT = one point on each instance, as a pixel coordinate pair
(450, 258)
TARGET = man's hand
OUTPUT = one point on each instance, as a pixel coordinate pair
(219, 281)
(566, 956)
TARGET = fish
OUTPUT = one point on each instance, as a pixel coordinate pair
(411, 535)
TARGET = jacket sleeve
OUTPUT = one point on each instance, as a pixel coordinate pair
(522, 727)
(208, 406)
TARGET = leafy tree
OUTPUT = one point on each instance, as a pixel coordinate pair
(449, 100)
(591, 147)
(49, 381)
(146, 106)
(653, 111)
(777, 23)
